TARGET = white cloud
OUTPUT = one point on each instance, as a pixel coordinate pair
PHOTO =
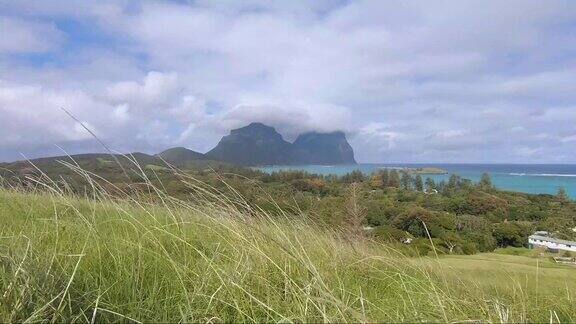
(527, 151)
(35, 114)
(410, 81)
(567, 139)
(156, 88)
(290, 117)
(121, 113)
(451, 133)
(25, 36)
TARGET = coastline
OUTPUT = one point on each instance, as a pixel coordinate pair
(525, 178)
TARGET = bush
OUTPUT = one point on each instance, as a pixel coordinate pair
(390, 234)
(511, 234)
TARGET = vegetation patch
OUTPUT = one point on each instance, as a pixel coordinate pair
(65, 259)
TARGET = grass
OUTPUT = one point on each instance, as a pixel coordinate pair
(156, 167)
(66, 259)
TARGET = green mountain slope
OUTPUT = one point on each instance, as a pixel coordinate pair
(180, 155)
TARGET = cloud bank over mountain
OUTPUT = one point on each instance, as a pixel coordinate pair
(419, 81)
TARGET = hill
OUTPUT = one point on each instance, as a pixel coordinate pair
(66, 260)
(129, 158)
(258, 144)
(116, 165)
(180, 155)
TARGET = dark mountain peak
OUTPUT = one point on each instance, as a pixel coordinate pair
(255, 125)
(257, 130)
(324, 148)
(259, 144)
(178, 155)
(255, 144)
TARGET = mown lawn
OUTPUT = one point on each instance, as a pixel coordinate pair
(536, 276)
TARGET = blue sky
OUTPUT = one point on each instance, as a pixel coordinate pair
(417, 81)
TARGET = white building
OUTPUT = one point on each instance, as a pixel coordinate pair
(536, 240)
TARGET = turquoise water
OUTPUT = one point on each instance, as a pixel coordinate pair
(529, 178)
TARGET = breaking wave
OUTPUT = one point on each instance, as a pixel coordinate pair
(542, 174)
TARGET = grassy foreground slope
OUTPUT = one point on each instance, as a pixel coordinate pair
(64, 259)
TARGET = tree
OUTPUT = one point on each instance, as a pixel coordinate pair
(379, 211)
(391, 234)
(302, 185)
(376, 181)
(430, 185)
(354, 176)
(418, 183)
(421, 222)
(476, 230)
(510, 234)
(453, 185)
(379, 179)
(355, 213)
(412, 221)
(441, 186)
(384, 174)
(561, 195)
(485, 182)
(405, 181)
(450, 241)
(454, 181)
(394, 179)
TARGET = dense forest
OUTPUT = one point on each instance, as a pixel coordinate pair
(402, 208)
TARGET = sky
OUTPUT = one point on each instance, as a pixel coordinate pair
(408, 81)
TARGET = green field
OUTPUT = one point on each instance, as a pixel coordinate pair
(532, 276)
(65, 259)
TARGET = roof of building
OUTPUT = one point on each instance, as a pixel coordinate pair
(551, 239)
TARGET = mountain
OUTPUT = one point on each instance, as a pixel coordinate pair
(255, 144)
(180, 155)
(324, 148)
(258, 144)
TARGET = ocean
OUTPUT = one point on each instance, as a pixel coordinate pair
(529, 178)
